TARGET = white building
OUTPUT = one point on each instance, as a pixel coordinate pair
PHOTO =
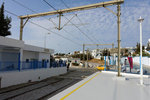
(20, 62)
(96, 53)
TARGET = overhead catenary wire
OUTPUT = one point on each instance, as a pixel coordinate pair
(22, 5)
(70, 22)
(44, 28)
(77, 18)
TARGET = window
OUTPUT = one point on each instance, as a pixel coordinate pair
(27, 60)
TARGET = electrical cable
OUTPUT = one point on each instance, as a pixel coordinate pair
(70, 22)
(44, 28)
(35, 12)
(77, 18)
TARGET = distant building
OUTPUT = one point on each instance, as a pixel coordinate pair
(96, 53)
(148, 45)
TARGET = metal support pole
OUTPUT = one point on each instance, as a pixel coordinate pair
(21, 28)
(141, 67)
(87, 58)
(105, 62)
(112, 45)
(83, 55)
(118, 17)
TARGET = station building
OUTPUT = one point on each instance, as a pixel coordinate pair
(21, 63)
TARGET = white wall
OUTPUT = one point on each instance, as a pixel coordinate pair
(30, 55)
(11, 42)
(37, 49)
(45, 56)
(16, 77)
(145, 60)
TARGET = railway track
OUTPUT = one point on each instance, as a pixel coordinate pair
(7, 95)
(46, 88)
(45, 97)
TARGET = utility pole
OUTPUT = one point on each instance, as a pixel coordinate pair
(112, 45)
(83, 55)
(118, 18)
(87, 58)
(45, 40)
(141, 67)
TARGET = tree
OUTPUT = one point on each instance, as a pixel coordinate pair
(148, 46)
(106, 52)
(138, 48)
(81, 56)
(4, 23)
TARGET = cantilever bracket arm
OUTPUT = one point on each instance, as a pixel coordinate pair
(68, 21)
(26, 22)
(110, 10)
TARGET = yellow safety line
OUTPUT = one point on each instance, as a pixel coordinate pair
(78, 87)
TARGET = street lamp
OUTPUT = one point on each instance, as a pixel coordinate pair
(141, 67)
(45, 40)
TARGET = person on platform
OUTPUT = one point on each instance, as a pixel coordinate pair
(68, 66)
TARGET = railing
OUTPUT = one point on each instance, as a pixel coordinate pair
(34, 65)
(58, 64)
(12, 66)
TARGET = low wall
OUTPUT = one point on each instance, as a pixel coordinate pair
(16, 77)
(145, 60)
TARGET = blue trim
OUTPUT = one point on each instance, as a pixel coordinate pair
(110, 61)
(140, 64)
(105, 63)
(19, 64)
(14, 66)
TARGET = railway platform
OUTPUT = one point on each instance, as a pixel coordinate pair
(106, 86)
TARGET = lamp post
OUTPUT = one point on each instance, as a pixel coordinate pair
(141, 67)
(45, 40)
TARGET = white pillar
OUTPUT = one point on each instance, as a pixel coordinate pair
(141, 67)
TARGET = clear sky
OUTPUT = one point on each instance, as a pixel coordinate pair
(99, 24)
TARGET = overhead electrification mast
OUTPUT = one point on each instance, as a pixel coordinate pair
(86, 7)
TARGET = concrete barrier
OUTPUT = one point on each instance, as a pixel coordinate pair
(16, 77)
